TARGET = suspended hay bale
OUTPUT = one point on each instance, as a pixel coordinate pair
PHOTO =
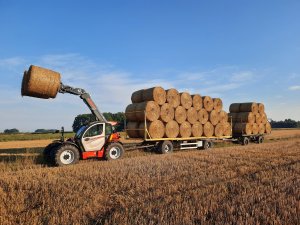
(264, 118)
(173, 97)
(208, 129)
(258, 118)
(130, 112)
(261, 128)
(166, 112)
(223, 117)
(132, 129)
(208, 103)
(219, 130)
(268, 128)
(255, 128)
(40, 83)
(227, 129)
(234, 108)
(261, 108)
(242, 128)
(156, 129)
(249, 107)
(137, 96)
(192, 115)
(157, 94)
(171, 129)
(186, 100)
(151, 108)
(197, 101)
(218, 104)
(185, 130)
(197, 129)
(214, 117)
(203, 116)
(244, 117)
(180, 114)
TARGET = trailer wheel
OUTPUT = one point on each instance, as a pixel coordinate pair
(207, 145)
(165, 147)
(114, 151)
(260, 140)
(65, 155)
(245, 141)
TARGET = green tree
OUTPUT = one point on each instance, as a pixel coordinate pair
(81, 120)
(11, 131)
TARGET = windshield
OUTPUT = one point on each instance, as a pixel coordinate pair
(80, 131)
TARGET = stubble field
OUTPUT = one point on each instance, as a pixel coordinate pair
(256, 184)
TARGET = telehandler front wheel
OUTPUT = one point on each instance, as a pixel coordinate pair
(65, 155)
(114, 151)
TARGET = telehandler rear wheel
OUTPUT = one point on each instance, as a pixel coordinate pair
(65, 155)
(114, 151)
(48, 151)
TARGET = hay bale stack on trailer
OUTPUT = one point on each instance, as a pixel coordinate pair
(182, 114)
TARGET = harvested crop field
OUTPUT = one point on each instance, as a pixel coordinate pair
(255, 184)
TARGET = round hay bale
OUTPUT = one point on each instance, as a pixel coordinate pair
(157, 94)
(244, 117)
(255, 128)
(186, 100)
(234, 108)
(208, 129)
(208, 103)
(264, 118)
(203, 116)
(130, 112)
(156, 129)
(218, 104)
(185, 130)
(261, 128)
(242, 128)
(180, 114)
(214, 117)
(166, 112)
(258, 118)
(171, 129)
(261, 108)
(192, 115)
(223, 117)
(173, 97)
(249, 107)
(151, 108)
(197, 129)
(197, 101)
(40, 83)
(137, 96)
(132, 129)
(227, 129)
(268, 128)
(219, 130)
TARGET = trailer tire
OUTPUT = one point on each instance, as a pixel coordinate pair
(207, 145)
(65, 155)
(114, 151)
(165, 147)
(245, 141)
(260, 140)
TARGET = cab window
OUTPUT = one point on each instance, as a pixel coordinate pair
(108, 129)
(94, 131)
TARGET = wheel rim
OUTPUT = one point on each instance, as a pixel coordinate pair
(167, 148)
(115, 152)
(67, 157)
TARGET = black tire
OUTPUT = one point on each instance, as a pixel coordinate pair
(165, 147)
(245, 141)
(47, 152)
(65, 155)
(207, 145)
(260, 140)
(114, 151)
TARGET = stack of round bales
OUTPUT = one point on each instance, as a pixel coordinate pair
(249, 119)
(171, 114)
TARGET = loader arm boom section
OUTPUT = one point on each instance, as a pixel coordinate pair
(86, 99)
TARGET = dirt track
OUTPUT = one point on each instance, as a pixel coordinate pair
(276, 134)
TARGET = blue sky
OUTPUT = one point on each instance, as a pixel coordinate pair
(237, 50)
